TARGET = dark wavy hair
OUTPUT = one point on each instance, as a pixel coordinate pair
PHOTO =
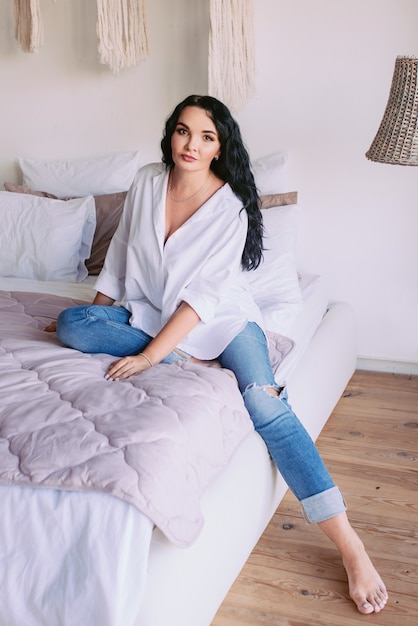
(233, 167)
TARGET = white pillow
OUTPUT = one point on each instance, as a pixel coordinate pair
(45, 239)
(275, 283)
(271, 173)
(83, 177)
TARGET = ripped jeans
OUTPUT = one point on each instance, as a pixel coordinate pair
(94, 328)
(289, 444)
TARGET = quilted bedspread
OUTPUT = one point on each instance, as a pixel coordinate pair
(154, 440)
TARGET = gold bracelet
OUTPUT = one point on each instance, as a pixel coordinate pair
(146, 358)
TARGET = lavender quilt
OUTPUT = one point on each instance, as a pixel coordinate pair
(154, 440)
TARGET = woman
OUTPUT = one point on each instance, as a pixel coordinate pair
(190, 231)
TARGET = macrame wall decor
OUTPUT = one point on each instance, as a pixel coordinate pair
(231, 51)
(29, 31)
(122, 33)
(121, 30)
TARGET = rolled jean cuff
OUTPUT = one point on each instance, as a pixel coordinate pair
(324, 505)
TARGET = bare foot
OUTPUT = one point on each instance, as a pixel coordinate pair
(51, 328)
(365, 586)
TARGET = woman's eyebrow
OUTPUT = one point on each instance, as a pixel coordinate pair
(205, 132)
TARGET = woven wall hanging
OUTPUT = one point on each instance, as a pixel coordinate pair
(121, 30)
(231, 51)
(122, 33)
(29, 31)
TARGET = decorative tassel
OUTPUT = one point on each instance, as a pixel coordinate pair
(122, 33)
(231, 51)
(29, 31)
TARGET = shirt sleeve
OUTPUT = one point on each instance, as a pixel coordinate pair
(111, 280)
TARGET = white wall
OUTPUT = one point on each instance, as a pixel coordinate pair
(324, 69)
(324, 73)
(61, 102)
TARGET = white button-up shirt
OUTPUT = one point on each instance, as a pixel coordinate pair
(200, 263)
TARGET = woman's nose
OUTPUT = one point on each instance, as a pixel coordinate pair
(192, 142)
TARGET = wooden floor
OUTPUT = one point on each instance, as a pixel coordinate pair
(294, 576)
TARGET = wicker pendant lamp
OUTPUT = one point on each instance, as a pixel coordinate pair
(396, 141)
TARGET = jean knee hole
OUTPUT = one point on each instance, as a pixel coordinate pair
(264, 389)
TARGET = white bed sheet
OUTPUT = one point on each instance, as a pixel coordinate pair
(82, 290)
(70, 558)
(315, 304)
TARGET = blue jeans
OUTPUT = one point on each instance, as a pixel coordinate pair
(106, 329)
(103, 329)
(289, 444)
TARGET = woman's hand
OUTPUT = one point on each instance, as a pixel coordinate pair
(51, 328)
(178, 326)
(128, 366)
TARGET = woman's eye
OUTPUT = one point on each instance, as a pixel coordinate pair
(208, 137)
(181, 131)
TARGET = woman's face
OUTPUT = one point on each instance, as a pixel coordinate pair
(195, 142)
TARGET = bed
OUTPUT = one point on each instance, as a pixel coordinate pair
(137, 503)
